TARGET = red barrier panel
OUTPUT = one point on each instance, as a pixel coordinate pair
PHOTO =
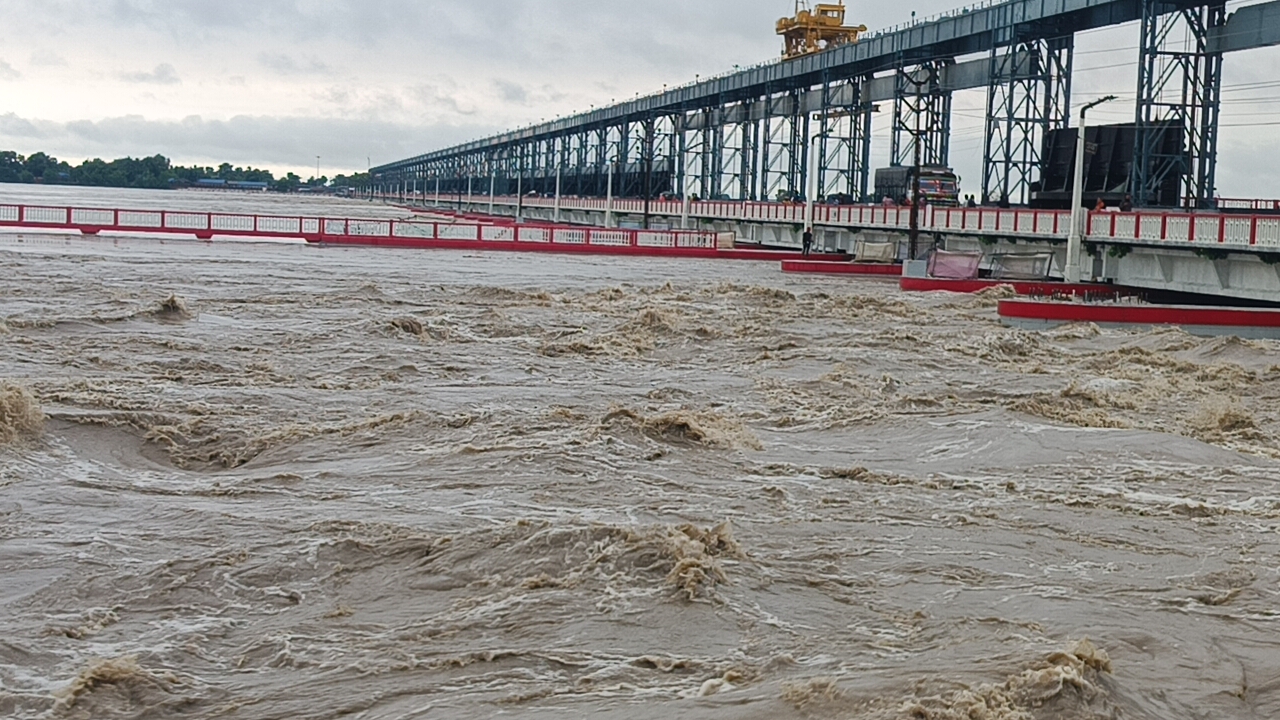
(1043, 288)
(840, 268)
(1139, 314)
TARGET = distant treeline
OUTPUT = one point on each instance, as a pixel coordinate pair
(156, 173)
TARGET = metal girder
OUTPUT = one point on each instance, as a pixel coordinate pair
(921, 114)
(1029, 95)
(1179, 98)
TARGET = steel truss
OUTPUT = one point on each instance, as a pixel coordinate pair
(784, 150)
(844, 144)
(734, 154)
(699, 140)
(1029, 95)
(1179, 99)
(921, 114)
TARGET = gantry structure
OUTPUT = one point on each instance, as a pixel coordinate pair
(749, 135)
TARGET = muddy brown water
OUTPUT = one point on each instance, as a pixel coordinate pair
(279, 481)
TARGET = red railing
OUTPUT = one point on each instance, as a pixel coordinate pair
(206, 225)
(1244, 231)
(1236, 204)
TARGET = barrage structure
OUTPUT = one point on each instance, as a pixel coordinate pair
(749, 135)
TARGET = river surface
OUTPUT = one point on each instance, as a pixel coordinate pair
(281, 481)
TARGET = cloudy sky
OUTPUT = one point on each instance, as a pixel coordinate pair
(274, 83)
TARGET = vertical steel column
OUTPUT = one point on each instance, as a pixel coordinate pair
(665, 148)
(600, 151)
(734, 150)
(864, 181)
(920, 102)
(841, 143)
(751, 150)
(698, 169)
(679, 151)
(636, 138)
(715, 158)
(785, 147)
(1175, 154)
(1029, 95)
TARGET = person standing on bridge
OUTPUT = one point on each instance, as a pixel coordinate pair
(807, 241)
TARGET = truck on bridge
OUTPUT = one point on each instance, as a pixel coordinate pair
(939, 186)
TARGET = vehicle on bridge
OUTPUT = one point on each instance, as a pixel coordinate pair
(939, 186)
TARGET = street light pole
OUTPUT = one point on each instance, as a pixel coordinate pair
(913, 234)
(520, 195)
(493, 179)
(811, 187)
(556, 215)
(1079, 215)
(608, 202)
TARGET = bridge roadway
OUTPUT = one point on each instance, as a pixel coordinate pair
(1209, 253)
(1232, 232)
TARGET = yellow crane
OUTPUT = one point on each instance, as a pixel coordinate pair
(814, 30)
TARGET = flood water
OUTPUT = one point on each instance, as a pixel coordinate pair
(282, 481)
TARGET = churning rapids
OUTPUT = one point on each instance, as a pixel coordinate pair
(276, 481)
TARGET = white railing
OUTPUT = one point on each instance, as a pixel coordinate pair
(1156, 228)
(1242, 232)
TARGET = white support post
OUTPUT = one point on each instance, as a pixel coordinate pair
(685, 205)
(556, 216)
(811, 189)
(1079, 214)
(493, 179)
(608, 202)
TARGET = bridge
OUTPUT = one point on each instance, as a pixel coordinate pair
(759, 133)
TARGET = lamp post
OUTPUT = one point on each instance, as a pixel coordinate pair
(520, 195)
(608, 201)
(811, 187)
(493, 179)
(556, 216)
(913, 231)
(684, 208)
(1079, 216)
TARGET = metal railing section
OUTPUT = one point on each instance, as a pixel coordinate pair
(1236, 231)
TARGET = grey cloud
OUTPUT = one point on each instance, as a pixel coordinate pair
(47, 58)
(242, 140)
(511, 92)
(7, 72)
(164, 74)
(12, 126)
(286, 65)
(432, 96)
